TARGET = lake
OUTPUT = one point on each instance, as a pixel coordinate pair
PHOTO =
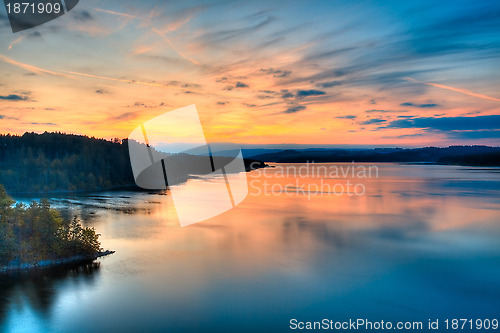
(404, 243)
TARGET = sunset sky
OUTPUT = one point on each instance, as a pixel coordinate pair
(385, 73)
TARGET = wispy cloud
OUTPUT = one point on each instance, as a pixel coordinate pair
(15, 97)
(491, 122)
(310, 92)
(347, 117)
(373, 121)
(256, 22)
(468, 135)
(125, 116)
(385, 111)
(82, 15)
(329, 84)
(424, 106)
(295, 108)
(241, 85)
(276, 72)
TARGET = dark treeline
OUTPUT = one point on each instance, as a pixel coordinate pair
(463, 155)
(61, 162)
(57, 162)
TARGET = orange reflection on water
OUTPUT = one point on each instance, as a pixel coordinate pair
(286, 228)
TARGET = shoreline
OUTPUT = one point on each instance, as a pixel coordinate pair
(44, 264)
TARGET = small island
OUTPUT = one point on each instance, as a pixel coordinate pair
(36, 236)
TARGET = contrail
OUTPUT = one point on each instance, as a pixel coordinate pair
(169, 42)
(463, 91)
(143, 50)
(460, 90)
(128, 81)
(16, 42)
(39, 70)
(30, 68)
(153, 84)
(115, 13)
(174, 47)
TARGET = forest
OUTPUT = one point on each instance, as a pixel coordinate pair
(34, 233)
(52, 162)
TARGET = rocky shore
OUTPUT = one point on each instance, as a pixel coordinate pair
(55, 262)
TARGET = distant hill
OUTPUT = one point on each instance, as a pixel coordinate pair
(57, 162)
(464, 155)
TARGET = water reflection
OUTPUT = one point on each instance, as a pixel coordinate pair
(37, 290)
(421, 243)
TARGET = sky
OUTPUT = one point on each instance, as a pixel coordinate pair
(378, 73)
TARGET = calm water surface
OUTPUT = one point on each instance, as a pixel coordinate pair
(422, 242)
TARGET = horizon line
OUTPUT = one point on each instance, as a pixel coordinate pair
(277, 146)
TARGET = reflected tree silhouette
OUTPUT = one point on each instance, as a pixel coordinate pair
(38, 289)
